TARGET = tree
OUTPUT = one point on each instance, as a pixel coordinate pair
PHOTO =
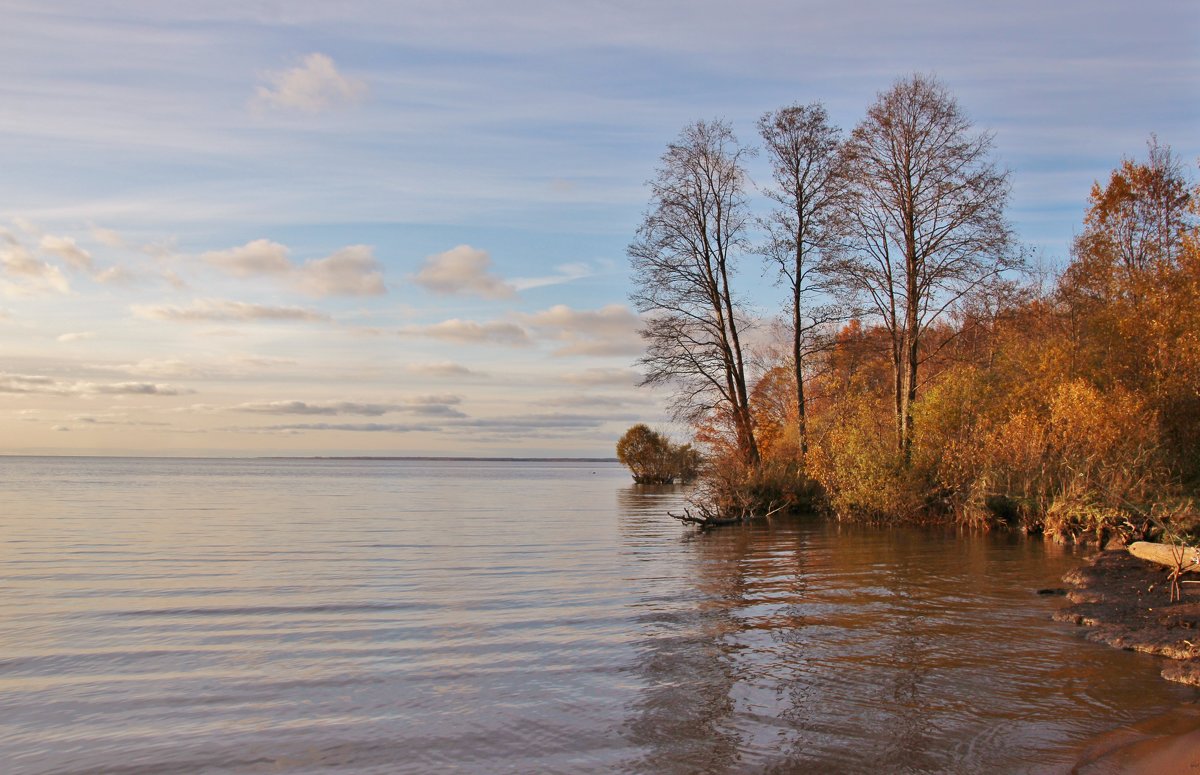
(683, 257)
(653, 459)
(808, 169)
(1135, 223)
(926, 224)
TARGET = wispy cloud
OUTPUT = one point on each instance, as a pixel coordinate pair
(77, 336)
(472, 332)
(596, 377)
(313, 86)
(448, 369)
(610, 330)
(463, 270)
(22, 274)
(564, 273)
(33, 383)
(371, 427)
(209, 310)
(66, 249)
(425, 406)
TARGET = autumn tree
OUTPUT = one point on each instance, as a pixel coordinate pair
(653, 459)
(691, 237)
(809, 188)
(925, 226)
(1138, 219)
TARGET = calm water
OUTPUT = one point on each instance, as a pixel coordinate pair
(162, 616)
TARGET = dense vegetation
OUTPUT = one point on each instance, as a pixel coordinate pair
(932, 376)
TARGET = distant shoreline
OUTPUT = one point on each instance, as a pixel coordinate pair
(444, 458)
(423, 458)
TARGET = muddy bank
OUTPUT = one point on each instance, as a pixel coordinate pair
(1125, 602)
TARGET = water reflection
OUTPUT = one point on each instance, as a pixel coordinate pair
(808, 646)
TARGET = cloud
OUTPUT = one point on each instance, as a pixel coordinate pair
(600, 376)
(301, 407)
(208, 310)
(471, 332)
(425, 406)
(24, 274)
(610, 330)
(351, 271)
(371, 427)
(312, 87)
(564, 273)
(108, 237)
(536, 425)
(463, 270)
(39, 384)
(66, 249)
(444, 369)
(115, 275)
(78, 336)
(259, 257)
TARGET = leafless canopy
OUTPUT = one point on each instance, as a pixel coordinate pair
(810, 189)
(683, 257)
(926, 226)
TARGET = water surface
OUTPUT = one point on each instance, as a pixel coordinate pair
(163, 616)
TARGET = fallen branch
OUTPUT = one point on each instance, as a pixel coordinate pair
(709, 519)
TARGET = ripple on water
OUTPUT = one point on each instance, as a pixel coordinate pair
(370, 616)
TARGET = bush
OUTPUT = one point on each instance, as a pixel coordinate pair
(653, 459)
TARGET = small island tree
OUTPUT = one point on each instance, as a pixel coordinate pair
(653, 459)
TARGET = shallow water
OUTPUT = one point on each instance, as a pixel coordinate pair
(407, 616)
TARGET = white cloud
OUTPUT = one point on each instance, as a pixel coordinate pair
(471, 332)
(259, 257)
(351, 271)
(26, 275)
(66, 249)
(563, 273)
(77, 336)
(207, 310)
(313, 86)
(463, 270)
(610, 330)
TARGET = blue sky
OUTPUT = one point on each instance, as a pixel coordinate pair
(399, 227)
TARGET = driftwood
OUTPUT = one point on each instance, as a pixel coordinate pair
(708, 519)
(1167, 554)
(1180, 559)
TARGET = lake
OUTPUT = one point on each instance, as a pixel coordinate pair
(371, 616)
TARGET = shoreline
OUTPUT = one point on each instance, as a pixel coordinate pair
(1125, 603)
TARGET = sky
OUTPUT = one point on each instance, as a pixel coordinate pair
(399, 228)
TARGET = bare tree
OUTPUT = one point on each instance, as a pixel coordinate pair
(683, 257)
(808, 172)
(926, 226)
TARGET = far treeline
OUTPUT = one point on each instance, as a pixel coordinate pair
(926, 372)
